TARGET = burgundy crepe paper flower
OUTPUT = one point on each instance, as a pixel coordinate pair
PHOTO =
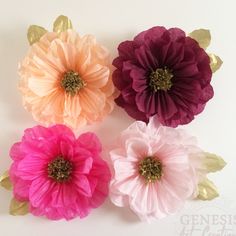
(165, 73)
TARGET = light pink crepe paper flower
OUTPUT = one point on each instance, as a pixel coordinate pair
(174, 149)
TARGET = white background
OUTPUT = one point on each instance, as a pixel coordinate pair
(113, 21)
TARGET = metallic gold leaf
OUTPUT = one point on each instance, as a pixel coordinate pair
(213, 162)
(215, 63)
(18, 208)
(5, 181)
(207, 190)
(202, 36)
(34, 34)
(62, 23)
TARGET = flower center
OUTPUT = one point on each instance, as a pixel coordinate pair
(59, 169)
(160, 79)
(151, 169)
(72, 82)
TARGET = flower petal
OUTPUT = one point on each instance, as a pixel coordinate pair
(82, 185)
(92, 101)
(96, 76)
(83, 166)
(42, 86)
(40, 192)
(72, 106)
(31, 167)
(90, 141)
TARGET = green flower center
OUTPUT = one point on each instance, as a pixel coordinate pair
(72, 82)
(151, 169)
(59, 169)
(160, 79)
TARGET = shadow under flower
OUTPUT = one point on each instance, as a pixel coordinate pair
(124, 214)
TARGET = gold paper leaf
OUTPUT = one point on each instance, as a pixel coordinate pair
(202, 36)
(213, 162)
(18, 208)
(207, 190)
(62, 23)
(215, 63)
(5, 181)
(34, 34)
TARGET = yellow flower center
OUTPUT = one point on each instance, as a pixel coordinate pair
(160, 79)
(72, 82)
(59, 169)
(151, 169)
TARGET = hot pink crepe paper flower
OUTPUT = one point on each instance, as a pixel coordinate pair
(154, 169)
(61, 176)
(66, 79)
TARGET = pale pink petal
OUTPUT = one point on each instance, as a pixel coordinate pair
(124, 169)
(137, 148)
(145, 203)
(118, 199)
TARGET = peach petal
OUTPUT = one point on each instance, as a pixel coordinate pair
(72, 106)
(96, 76)
(42, 86)
(91, 100)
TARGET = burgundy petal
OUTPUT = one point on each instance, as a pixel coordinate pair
(146, 102)
(145, 58)
(139, 80)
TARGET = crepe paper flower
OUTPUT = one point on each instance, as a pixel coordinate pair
(157, 168)
(57, 175)
(65, 78)
(163, 72)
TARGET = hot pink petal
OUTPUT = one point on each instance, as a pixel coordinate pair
(15, 152)
(84, 165)
(82, 185)
(90, 141)
(31, 167)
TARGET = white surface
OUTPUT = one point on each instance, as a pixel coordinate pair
(113, 21)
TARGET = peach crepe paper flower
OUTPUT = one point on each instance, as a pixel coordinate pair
(155, 169)
(65, 79)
